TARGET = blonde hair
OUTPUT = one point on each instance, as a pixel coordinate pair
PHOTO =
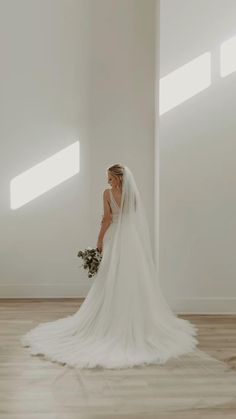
(117, 170)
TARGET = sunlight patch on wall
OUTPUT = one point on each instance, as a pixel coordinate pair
(44, 176)
(228, 57)
(185, 82)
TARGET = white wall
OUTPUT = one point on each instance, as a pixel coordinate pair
(197, 155)
(123, 95)
(70, 70)
(156, 174)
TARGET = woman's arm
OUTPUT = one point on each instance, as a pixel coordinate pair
(106, 220)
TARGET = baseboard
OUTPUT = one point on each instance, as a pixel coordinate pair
(203, 305)
(200, 305)
(46, 291)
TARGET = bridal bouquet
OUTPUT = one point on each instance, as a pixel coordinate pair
(91, 260)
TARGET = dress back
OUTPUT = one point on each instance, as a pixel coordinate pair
(114, 207)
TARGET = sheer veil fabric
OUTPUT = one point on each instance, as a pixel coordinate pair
(125, 321)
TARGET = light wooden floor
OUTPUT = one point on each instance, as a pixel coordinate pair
(34, 388)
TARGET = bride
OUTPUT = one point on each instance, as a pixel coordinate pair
(124, 320)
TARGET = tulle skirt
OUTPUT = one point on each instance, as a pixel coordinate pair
(125, 322)
(120, 324)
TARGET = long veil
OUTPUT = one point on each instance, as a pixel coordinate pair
(126, 322)
(199, 378)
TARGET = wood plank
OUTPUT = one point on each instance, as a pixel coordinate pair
(35, 388)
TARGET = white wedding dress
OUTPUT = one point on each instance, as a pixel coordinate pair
(121, 323)
(125, 321)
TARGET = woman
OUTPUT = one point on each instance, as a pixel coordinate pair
(124, 320)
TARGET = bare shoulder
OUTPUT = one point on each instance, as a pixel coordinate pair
(106, 193)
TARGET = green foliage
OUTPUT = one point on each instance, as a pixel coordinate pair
(91, 260)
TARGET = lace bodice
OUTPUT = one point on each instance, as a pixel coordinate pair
(114, 207)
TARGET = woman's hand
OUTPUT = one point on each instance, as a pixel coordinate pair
(100, 245)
